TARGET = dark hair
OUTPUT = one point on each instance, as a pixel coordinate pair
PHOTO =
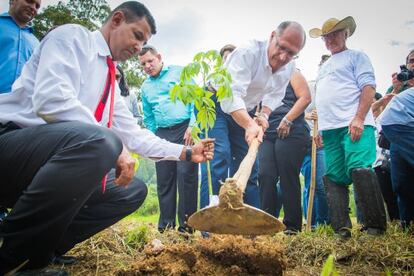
(409, 54)
(133, 11)
(228, 47)
(148, 48)
(123, 86)
(377, 96)
(285, 24)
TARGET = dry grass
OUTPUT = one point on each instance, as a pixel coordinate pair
(120, 248)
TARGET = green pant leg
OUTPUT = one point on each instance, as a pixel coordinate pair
(361, 153)
(335, 156)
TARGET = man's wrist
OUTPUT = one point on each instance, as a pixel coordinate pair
(287, 121)
(188, 153)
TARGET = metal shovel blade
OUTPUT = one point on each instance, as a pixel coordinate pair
(245, 220)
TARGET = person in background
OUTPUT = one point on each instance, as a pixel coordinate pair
(396, 87)
(172, 122)
(130, 99)
(281, 154)
(17, 40)
(345, 88)
(397, 123)
(382, 168)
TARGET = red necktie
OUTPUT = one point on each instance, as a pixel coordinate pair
(109, 91)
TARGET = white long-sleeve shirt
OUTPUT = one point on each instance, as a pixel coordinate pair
(64, 80)
(252, 78)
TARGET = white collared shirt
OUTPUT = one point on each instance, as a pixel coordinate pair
(252, 78)
(64, 80)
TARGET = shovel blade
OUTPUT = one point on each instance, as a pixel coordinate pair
(246, 220)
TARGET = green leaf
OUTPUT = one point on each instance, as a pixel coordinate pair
(329, 267)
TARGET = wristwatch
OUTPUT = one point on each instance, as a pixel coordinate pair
(188, 153)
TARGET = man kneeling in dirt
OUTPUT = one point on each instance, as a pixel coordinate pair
(67, 175)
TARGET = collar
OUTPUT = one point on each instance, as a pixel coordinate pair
(102, 46)
(163, 71)
(27, 27)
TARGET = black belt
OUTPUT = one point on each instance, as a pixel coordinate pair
(185, 122)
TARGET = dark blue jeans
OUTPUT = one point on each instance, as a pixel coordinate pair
(320, 204)
(402, 168)
(229, 150)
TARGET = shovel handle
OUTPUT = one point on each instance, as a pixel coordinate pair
(243, 173)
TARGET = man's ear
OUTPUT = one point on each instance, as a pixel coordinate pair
(117, 18)
(159, 57)
(272, 35)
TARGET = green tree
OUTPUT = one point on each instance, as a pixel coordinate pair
(88, 13)
(206, 71)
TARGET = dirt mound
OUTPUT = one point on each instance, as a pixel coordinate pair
(218, 255)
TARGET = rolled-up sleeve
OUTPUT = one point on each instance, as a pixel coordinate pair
(240, 66)
(142, 141)
(363, 70)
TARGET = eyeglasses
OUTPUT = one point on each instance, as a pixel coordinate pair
(291, 54)
(117, 77)
(410, 61)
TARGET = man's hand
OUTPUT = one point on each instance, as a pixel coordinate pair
(262, 121)
(318, 141)
(253, 130)
(124, 168)
(396, 84)
(283, 130)
(313, 115)
(203, 151)
(356, 127)
(188, 140)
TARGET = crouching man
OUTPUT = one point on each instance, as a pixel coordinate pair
(65, 134)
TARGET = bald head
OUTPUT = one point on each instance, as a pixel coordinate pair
(294, 29)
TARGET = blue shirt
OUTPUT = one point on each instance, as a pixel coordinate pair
(159, 110)
(16, 47)
(400, 111)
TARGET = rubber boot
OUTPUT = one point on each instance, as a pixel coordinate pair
(338, 201)
(369, 200)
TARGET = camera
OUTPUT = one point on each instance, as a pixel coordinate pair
(405, 74)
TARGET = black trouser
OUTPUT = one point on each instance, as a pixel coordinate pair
(51, 177)
(283, 158)
(390, 197)
(172, 174)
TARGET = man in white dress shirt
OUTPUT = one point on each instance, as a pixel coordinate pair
(261, 71)
(56, 149)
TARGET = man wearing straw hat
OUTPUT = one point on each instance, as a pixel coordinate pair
(345, 88)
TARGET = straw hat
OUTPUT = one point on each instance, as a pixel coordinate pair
(332, 24)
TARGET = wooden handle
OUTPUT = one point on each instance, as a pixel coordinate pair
(313, 178)
(243, 173)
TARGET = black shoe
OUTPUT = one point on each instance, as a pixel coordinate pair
(374, 231)
(42, 272)
(343, 234)
(63, 260)
(291, 232)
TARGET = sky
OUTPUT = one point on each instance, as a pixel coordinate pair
(385, 29)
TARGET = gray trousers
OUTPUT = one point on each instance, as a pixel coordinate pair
(51, 175)
(172, 175)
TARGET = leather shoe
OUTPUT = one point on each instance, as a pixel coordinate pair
(63, 260)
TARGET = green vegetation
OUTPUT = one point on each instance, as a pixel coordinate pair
(207, 68)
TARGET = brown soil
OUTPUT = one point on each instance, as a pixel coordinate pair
(230, 195)
(218, 255)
